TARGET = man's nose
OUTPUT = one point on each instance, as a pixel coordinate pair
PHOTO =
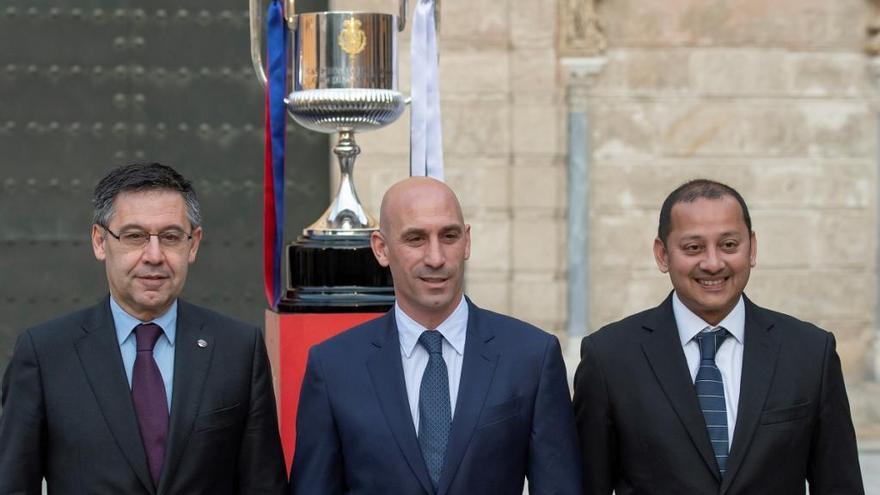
(153, 251)
(434, 254)
(712, 262)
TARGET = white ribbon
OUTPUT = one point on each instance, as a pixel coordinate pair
(426, 138)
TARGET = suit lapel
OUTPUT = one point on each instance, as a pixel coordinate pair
(386, 372)
(477, 371)
(759, 361)
(101, 360)
(191, 364)
(662, 347)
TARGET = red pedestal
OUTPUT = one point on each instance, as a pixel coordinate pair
(288, 339)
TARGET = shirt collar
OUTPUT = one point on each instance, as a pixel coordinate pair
(125, 323)
(453, 329)
(689, 324)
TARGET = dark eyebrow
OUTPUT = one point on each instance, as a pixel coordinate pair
(412, 231)
(452, 228)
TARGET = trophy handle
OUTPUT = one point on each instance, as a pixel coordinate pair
(401, 17)
(256, 18)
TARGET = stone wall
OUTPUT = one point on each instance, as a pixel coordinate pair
(774, 98)
(504, 141)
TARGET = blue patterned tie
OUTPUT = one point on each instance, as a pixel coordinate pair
(435, 413)
(710, 392)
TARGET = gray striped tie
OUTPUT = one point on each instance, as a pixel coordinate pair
(710, 392)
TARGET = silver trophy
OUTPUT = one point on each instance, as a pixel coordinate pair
(345, 81)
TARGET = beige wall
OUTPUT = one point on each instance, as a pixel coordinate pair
(774, 98)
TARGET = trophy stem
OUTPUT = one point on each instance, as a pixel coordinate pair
(345, 216)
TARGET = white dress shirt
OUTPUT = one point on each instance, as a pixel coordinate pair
(415, 357)
(729, 357)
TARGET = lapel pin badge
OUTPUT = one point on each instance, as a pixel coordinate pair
(202, 343)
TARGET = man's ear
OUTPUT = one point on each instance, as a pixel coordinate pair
(99, 242)
(753, 249)
(194, 246)
(467, 239)
(661, 256)
(380, 248)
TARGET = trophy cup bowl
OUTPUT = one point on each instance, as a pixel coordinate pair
(343, 79)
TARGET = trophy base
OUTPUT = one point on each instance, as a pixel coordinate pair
(336, 274)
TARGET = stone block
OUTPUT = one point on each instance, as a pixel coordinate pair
(475, 71)
(774, 129)
(616, 294)
(643, 184)
(538, 245)
(814, 294)
(846, 239)
(540, 187)
(477, 128)
(658, 71)
(830, 74)
(739, 71)
(532, 24)
(808, 183)
(786, 238)
(538, 300)
(701, 128)
(532, 70)
(623, 240)
(491, 295)
(538, 128)
(728, 128)
(839, 128)
(481, 23)
(765, 183)
(623, 130)
(480, 183)
(791, 24)
(490, 244)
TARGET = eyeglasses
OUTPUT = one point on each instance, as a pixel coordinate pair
(134, 239)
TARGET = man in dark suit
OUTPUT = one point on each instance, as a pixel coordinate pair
(709, 393)
(438, 395)
(142, 393)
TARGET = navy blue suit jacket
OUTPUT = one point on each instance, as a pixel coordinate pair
(513, 417)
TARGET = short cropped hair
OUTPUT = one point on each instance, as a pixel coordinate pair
(691, 191)
(138, 177)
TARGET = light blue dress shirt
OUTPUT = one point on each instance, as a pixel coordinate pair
(415, 357)
(163, 352)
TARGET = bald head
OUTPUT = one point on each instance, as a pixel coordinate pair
(423, 239)
(416, 193)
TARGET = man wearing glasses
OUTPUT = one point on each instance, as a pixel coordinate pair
(142, 393)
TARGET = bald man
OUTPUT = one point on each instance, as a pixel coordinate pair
(437, 396)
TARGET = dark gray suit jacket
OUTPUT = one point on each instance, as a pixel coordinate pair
(642, 432)
(68, 414)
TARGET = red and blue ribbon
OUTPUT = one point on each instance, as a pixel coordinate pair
(273, 181)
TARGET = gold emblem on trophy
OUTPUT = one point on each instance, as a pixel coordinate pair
(352, 38)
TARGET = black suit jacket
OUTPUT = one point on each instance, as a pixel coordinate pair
(642, 432)
(68, 414)
(513, 416)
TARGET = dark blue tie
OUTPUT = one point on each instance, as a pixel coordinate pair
(435, 413)
(710, 392)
